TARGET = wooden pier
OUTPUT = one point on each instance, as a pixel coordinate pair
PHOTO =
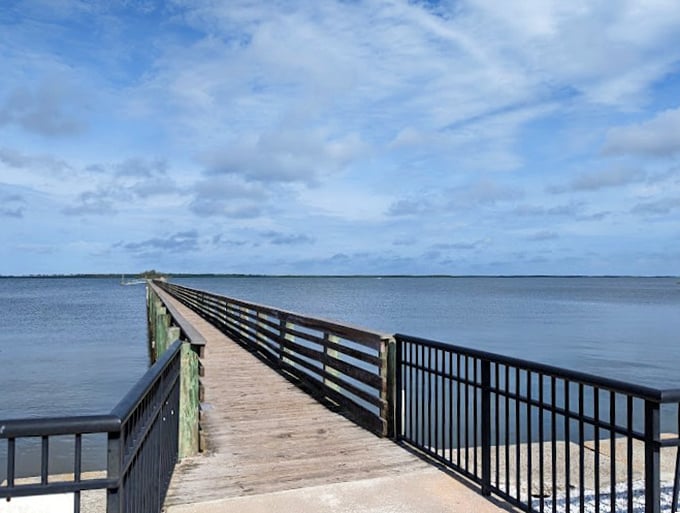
(269, 446)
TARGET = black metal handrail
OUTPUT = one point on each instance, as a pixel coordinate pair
(541, 437)
(141, 448)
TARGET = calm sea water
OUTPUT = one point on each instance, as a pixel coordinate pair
(625, 328)
(76, 346)
(71, 346)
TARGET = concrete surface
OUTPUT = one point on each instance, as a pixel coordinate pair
(425, 491)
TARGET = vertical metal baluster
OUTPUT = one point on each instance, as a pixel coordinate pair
(77, 467)
(581, 454)
(553, 440)
(629, 452)
(612, 451)
(407, 386)
(45, 460)
(652, 457)
(518, 452)
(421, 371)
(435, 377)
(11, 456)
(429, 375)
(507, 429)
(433, 402)
(486, 426)
(467, 412)
(529, 455)
(451, 386)
(475, 418)
(458, 387)
(413, 382)
(596, 434)
(497, 422)
(541, 464)
(567, 444)
(676, 479)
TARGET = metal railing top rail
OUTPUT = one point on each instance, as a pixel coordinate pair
(186, 328)
(298, 318)
(55, 426)
(641, 391)
(140, 390)
(111, 424)
(87, 424)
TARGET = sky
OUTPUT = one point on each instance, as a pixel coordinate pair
(340, 137)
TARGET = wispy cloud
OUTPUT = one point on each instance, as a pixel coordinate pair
(658, 207)
(601, 179)
(47, 110)
(12, 205)
(542, 235)
(397, 135)
(287, 239)
(182, 242)
(657, 137)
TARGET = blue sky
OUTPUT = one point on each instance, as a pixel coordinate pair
(340, 137)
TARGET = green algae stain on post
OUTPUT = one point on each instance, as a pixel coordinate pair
(162, 334)
(188, 403)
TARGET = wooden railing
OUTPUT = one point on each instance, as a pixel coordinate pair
(351, 368)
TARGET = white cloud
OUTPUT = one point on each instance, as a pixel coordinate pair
(349, 124)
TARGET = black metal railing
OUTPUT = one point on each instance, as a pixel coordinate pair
(141, 435)
(541, 437)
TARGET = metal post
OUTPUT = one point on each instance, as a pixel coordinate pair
(393, 389)
(486, 427)
(114, 502)
(399, 390)
(652, 462)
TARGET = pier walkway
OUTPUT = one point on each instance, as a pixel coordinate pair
(272, 447)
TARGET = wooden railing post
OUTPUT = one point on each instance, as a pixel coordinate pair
(282, 335)
(388, 375)
(188, 401)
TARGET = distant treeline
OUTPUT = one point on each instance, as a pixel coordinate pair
(155, 274)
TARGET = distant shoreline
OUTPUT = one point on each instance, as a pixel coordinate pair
(236, 275)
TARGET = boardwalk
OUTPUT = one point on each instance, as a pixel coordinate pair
(271, 447)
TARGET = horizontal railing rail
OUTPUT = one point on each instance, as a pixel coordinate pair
(140, 449)
(541, 437)
(341, 363)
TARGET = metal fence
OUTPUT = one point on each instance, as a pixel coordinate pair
(540, 437)
(141, 435)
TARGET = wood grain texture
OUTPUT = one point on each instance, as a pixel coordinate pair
(264, 434)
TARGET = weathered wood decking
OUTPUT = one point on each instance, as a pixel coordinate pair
(265, 435)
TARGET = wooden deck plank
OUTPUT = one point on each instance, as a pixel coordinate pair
(266, 435)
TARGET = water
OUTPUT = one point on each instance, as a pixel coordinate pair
(69, 346)
(76, 346)
(623, 328)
